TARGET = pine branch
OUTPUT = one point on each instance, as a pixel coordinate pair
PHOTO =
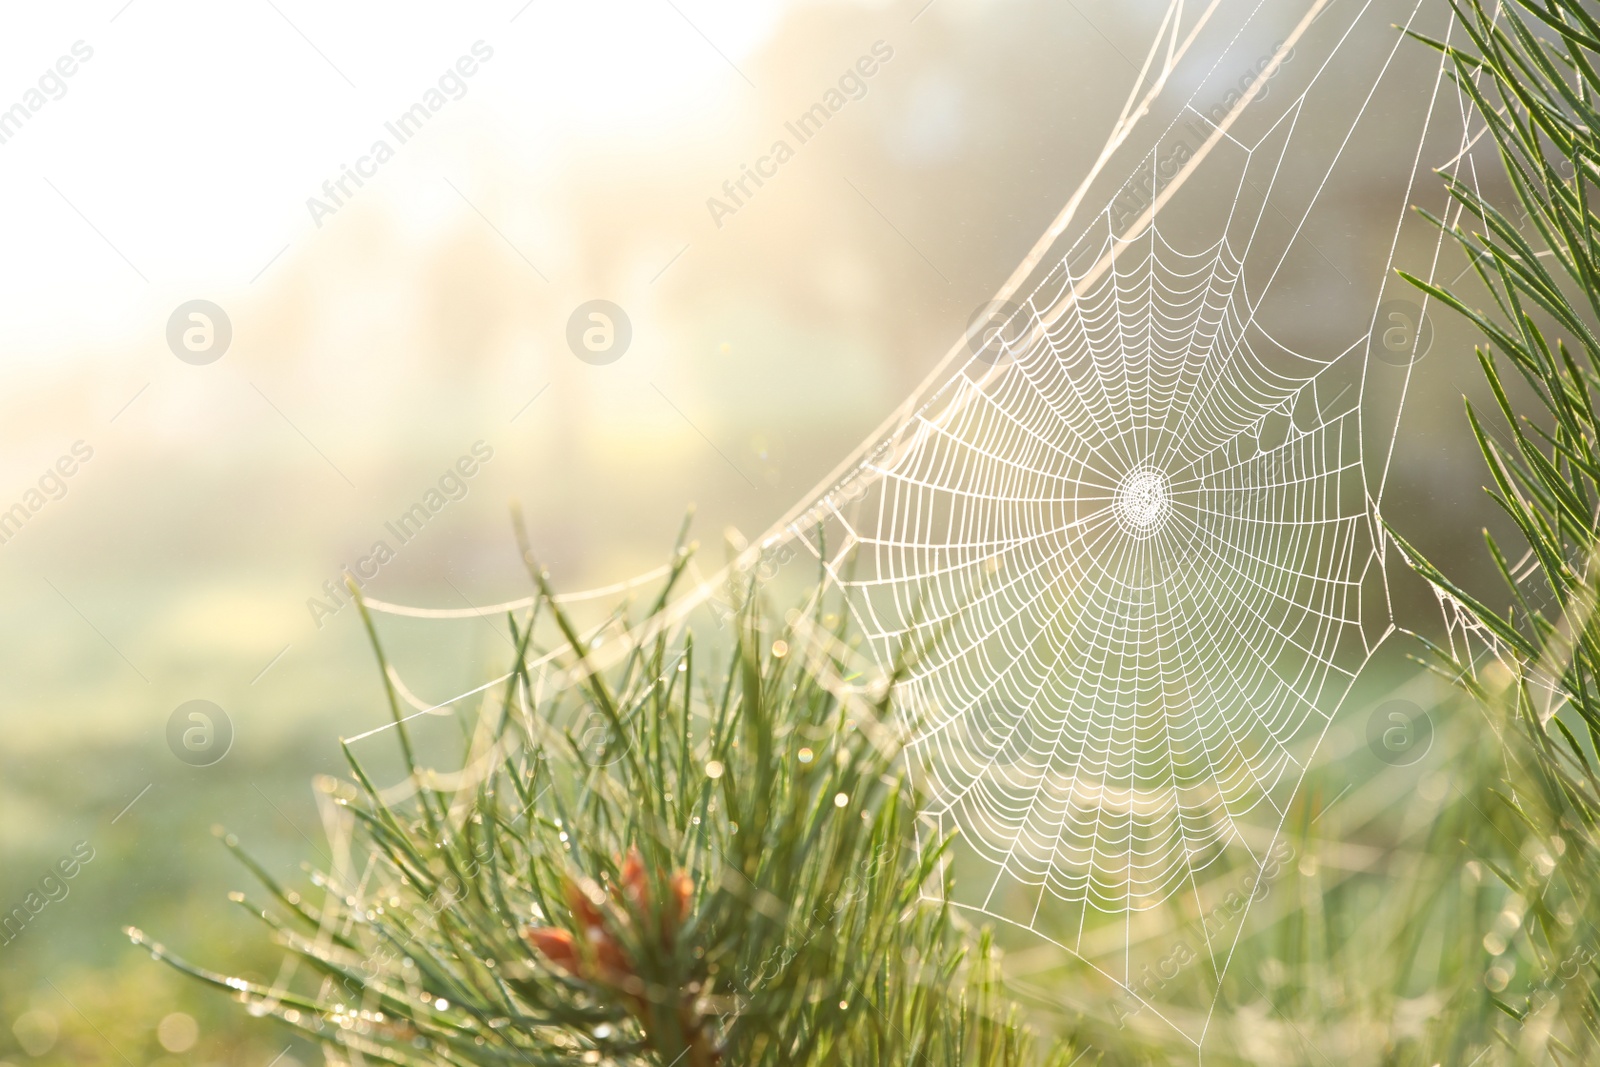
(740, 886)
(1529, 72)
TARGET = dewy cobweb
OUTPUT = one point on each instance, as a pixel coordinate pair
(1132, 534)
(1130, 526)
(1134, 560)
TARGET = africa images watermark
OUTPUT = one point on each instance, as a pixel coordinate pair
(52, 485)
(452, 486)
(51, 888)
(199, 732)
(452, 85)
(52, 85)
(852, 85)
(1152, 978)
(1141, 192)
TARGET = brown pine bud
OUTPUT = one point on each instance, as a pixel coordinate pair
(553, 944)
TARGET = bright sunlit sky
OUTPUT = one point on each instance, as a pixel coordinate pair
(194, 135)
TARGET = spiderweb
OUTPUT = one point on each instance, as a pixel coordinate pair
(1127, 531)
(1134, 558)
(1128, 540)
